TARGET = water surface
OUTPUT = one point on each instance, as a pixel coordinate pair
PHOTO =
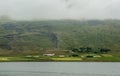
(59, 69)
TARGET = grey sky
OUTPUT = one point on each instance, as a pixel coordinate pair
(61, 9)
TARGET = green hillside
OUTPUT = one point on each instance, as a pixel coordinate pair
(35, 36)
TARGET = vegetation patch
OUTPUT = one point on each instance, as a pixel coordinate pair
(67, 59)
(107, 55)
(4, 59)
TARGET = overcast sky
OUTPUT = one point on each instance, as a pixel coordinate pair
(61, 9)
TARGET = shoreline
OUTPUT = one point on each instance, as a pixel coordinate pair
(106, 58)
(59, 61)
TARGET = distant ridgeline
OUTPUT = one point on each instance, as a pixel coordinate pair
(32, 36)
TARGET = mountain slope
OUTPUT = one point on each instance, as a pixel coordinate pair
(64, 34)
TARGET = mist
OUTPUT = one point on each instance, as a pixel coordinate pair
(60, 9)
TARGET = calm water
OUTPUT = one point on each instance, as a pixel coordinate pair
(59, 69)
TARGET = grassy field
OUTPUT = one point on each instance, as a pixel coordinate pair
(95, 58)
(67, 59)
(104, 59)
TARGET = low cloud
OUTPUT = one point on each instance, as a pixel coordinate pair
(60, 9)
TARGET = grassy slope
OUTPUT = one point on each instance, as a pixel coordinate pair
(33, 36)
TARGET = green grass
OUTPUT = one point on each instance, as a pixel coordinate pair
(10, 59)
(81, 58)
(104, 59)
(67, 59)
(107, 55)
(94, 59)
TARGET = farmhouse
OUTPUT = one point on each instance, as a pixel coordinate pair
(55, 53)
(49, 53)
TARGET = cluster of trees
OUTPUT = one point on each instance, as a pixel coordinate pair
(90, 50)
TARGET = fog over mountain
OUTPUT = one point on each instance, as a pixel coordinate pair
(60, 9)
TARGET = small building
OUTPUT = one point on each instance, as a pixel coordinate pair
(49, 53)
(55, 53)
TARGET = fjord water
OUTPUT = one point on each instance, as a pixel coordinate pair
(60, 69)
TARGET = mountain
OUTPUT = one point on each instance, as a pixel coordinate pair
(31, 36)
